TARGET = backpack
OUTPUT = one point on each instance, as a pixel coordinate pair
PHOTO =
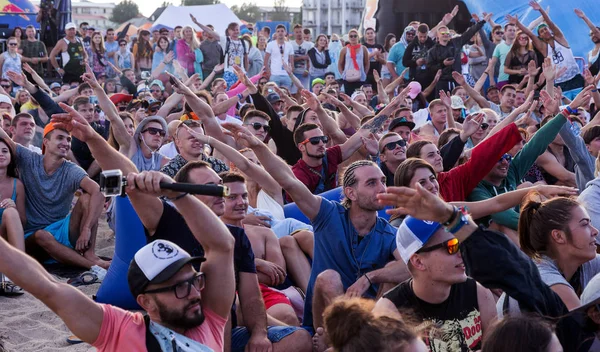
(151, 342)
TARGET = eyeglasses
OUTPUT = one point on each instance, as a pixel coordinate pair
(155, 90)
(85, 28)
(153, 131)
(452, 246)
(499, 33)
(353, 36)
(484, 126)
(316, 140)
(392, 145)
(257, 126)
(122, 44)
(183, 289)
(506, 157)
(13, 44)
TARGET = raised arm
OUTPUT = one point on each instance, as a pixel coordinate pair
(307, 202)
(558, 34)
(592, 26)
(537, 42)
(250, 169)
(209, 231)
(36, 78)
(330, 126)
(350, 117)
(527, 106)
(205, 29)
(479, 99)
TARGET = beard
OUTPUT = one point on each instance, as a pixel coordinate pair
(316, 156)
(178, 318)
(366, 204)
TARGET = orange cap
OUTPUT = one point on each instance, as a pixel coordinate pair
(51, 126)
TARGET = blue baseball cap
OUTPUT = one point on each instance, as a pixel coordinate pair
(413, 234)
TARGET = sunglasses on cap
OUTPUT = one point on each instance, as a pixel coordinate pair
(182, 289)
(257, 126)
(451, 246)
(506, 157)
(316, 140)
(153, 131)
(484, 126)
(392, 145)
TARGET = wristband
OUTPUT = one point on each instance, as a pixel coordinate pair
(594, 90)
(370, 283)
(463, 219)
(178, 197)
(452, 217)
(571, 111)
(240, 96)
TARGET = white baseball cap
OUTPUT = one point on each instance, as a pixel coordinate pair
(413, 234)
(70, 25)
(590, 295)
(156, 263)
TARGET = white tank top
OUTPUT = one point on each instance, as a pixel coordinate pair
(563, 57)
(266, 202)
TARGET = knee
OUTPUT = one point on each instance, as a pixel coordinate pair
(287, 243)
(10, 214)
(42, 237)
(300, 341)
(285, 314)
(329, 281)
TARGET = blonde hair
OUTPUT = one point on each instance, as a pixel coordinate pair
(597, 172)
(195, 45)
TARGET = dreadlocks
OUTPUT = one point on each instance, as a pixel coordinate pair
(349, 178)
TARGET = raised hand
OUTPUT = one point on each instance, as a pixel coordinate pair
(18, 78)
(476, 17)
(27, 68)
(514, 20)
(486, 17)
(418, 203)
(549, 191)
(376, 76)
(534, 5)
(532, 69)
(201, 137)
(89, 77)
(582, 98)
(74, 123)
(178, 86)
(472, 123)
(454, 11)
(459, 78)
(193, 19)
(549, 70)
(371, 144)
(438, 75)
(241, 135)
(549, 102)
(311, 100)
(579, 13)
(219, 67)
(446, 98)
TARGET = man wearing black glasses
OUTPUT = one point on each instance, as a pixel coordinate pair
(392, 152)
(278, 52)
(258, 124)
(458, 309)
(317, 169)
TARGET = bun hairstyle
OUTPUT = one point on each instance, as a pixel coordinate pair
(352, 327)
(539, 218)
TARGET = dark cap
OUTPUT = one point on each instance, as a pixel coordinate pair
(273, 98)
(401, 121)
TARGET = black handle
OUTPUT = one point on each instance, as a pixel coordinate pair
(205, 190)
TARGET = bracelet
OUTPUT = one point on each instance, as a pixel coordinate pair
(240, 96)
(178, 197)
(462, 221)
(370, 283)
(571, 111)
(594, 90)
(452, 217)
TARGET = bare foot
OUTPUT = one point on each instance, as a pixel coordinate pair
(319, 341)
(103, 263)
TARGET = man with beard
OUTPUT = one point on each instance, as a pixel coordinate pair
(415, 56)
(392, 152)
(187, 309)
(595, 37)
(317, 169)
(353, 246)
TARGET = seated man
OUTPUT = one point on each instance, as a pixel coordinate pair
(190, 149)
(392, 152)
(459, 309)
(317, 169)
(50, 183)
(270, 265)
(352, 244)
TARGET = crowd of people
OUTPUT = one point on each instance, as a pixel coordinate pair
(481, 147)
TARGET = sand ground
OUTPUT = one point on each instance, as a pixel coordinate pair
(28, 325)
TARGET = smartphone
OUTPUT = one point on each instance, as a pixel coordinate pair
(173, 81)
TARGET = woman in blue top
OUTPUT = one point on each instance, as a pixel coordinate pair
(161, 55)
(12, 210)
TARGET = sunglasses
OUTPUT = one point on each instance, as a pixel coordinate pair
(316, 140)
(153, 131)
(183, 289)
(452, 246)
(506, 157)
(444, 33)
(257, 126)
(122, 44)
(499, 33)
(353, 36)
(281, 49)
(392, 145)
(13, 44)
(6, 86)
(484, 126)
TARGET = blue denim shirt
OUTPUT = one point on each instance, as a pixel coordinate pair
(337, 248)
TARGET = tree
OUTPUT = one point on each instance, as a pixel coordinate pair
(199, 2)
(124, 11)
(280, 11)
(166, 4)
(248, 12)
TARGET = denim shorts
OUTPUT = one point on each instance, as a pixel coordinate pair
(241, 335)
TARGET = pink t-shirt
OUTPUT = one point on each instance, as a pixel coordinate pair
(125, 331)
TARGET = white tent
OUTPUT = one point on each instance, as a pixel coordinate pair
(218, 15)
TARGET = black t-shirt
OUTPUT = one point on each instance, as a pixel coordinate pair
(82, 152)
(375, 65)
(455, 324)
(172, 227)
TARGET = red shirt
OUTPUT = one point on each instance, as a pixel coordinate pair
(458, 183)
(310, 176)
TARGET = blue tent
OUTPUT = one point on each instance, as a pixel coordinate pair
(16, 13)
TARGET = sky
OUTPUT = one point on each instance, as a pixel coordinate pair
(147, 7)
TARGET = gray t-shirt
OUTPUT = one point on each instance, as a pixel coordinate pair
(212, 52)
(551, 274)
(49, 197)
(301, 50)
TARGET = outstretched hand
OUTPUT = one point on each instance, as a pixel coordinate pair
(512, 19)
(579, 13)
(418, 203)
(18, 78)
(311, 100)
(550, 103)
(534, 5)
(72, 122)
(89, 77)
(459, 78)
(550, 191)
(241, 135)
(582, 98)
(472, 123)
